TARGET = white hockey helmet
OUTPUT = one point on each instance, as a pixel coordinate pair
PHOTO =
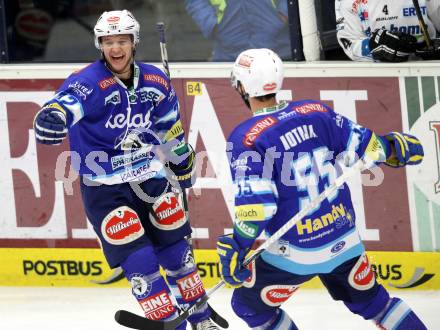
(116, 22)
(259, 71)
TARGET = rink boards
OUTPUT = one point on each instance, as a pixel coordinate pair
(44, 236)
(87, 268)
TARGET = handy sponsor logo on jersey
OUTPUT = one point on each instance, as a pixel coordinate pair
(338, 215)
(309, 107)
(169, 213)
(276, 295)
(81, 90)
(106, 83)
(297, 136)
(121, 226)
(155, 78)
(191, 287)
(362, 276)
(258, 128)
(158, 306)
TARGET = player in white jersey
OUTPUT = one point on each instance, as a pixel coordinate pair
(386, 30)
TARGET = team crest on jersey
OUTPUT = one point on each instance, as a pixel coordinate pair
(362, 275)
(140, 287)
(258, 128)
(122, 226)
(276, 295)
(168, 212)
(114, 98)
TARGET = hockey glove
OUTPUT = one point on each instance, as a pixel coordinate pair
(183, 170)
(429, 53)
(408, 150)
(389, 46)
(231, 258)
(50, 126)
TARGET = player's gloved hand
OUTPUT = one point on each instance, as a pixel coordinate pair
(50, 126)
(389, 46)
(184, 170)
(231, 258)
(408, 150)
(429, 53)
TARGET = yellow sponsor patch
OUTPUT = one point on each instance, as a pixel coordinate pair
(250, 212)
(193, 88)
(174, 131)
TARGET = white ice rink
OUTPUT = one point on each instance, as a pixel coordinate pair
(28, 308)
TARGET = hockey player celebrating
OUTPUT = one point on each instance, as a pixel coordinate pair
(386, 30)
(281, 159)
(116, 111)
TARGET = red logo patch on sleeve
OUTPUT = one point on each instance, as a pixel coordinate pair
(121, 226)
(258, 128)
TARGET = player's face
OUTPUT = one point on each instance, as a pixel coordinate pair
(118, 51)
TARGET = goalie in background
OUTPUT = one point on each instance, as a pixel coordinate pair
(386, 30)
(281, 159)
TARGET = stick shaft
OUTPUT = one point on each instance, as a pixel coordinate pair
(422, 23)
(163, 47)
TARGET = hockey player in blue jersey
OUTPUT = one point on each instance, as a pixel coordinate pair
(123, 121)
(282, 158)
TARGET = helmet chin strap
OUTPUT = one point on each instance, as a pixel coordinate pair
(244, 95)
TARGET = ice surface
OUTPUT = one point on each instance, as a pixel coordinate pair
(29, 308)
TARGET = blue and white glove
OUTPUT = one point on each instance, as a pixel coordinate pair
(408, 150)
(50, 126)
(231, 258)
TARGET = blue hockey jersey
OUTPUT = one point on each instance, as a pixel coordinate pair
(112, 128)
(281, 159)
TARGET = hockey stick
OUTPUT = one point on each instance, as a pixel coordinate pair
(163, 47)
(422, 24)
(135, 321)
(138, 322)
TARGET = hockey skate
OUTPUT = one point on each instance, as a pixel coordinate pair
(204, 325)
